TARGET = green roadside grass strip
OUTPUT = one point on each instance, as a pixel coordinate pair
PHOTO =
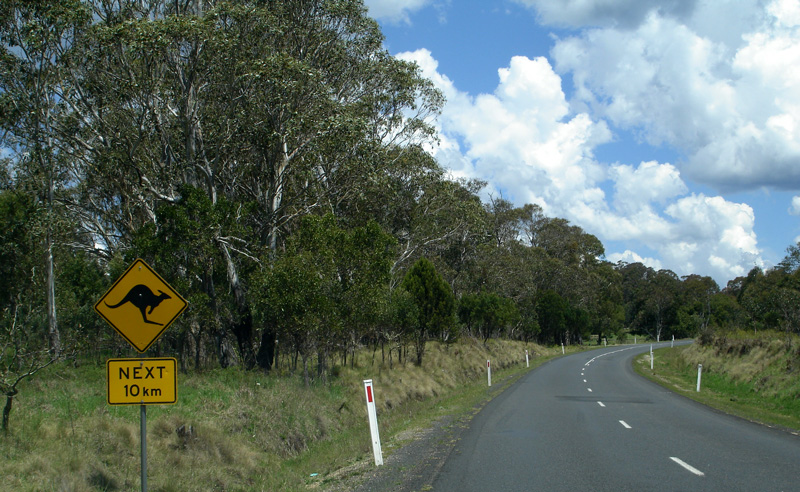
(718, 390)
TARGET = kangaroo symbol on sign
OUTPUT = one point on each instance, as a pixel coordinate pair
(143, 298)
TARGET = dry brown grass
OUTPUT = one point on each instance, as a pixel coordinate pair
(443, 368)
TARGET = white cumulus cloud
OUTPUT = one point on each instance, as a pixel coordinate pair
(624, 13)
(728, 99)
(524, 139)
(395, 10)
(794, 208)
(629, 256)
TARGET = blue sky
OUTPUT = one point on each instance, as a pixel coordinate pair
(670, 129)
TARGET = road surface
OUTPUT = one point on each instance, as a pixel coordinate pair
(588, 422)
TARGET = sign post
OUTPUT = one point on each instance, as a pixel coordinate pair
(373, 422)
(143, 440)
(140, 306)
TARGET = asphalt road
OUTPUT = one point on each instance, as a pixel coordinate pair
(588, 422)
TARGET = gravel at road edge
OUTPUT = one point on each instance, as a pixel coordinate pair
(417, 457)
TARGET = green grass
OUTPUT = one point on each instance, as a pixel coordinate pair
(250, 431)
(752, 379)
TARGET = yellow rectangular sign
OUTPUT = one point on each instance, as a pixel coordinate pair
(151, 381)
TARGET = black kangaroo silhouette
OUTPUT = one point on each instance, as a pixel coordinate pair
(142, 297)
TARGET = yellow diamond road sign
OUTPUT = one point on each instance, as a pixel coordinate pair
(140, 305)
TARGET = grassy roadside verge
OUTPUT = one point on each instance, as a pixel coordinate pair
(399, 425)
(234, 430)
(734, 384)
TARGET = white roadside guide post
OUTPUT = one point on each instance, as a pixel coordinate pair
(672, 345)
(651, 356)
(699, 375)
(489, 371)
(527, 361)
(562, 349)
(373, 422)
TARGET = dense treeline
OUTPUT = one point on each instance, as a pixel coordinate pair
(267, 157)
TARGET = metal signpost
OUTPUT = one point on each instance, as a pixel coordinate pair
(140, 306)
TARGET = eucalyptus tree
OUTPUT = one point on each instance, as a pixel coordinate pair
(695, 304)
(609, 308)
(635, 278)
(139, 95)
(771, 299)
(285, 108)
(532, 221)
(328, 289)
(23, 323)
(658, 303)
(435, 217)
(36, 37)
(190, 256)
(505, 221)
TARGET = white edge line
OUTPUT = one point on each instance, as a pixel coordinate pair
(609, 353)
(625, 424)
(687, 466)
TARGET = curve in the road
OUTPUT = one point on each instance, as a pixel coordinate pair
(610, 429)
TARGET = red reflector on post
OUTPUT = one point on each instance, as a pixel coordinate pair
(369, 394)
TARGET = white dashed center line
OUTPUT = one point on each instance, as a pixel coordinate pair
(688, 466)
(625, 424)
(590, 389)
(601, 404)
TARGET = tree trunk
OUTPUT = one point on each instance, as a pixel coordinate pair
(225, 352)
(420, 348)
(7, 410)
(243, 329)
(268, 349)
(52, 322)
(306, 377)
(276, 194)
(47, 164)
(322, 365)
